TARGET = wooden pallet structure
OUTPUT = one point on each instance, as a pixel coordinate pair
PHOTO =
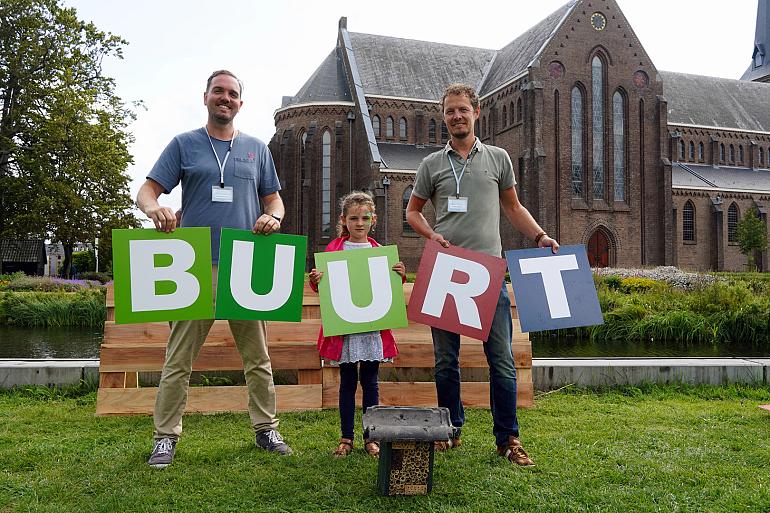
(129, 349)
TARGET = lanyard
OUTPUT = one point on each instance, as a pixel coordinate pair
(462, 171)
(222, 162)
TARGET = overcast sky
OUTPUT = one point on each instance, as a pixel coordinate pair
(274, 47)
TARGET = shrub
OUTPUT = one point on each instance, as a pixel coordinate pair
(637, 285)
(94, 276)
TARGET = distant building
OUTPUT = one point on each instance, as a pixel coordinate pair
(27, 256)
(55, 253)
(644, 167)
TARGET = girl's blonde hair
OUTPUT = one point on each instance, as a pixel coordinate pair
(353, 199)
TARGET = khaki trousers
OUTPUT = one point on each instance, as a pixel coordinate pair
(183, 347)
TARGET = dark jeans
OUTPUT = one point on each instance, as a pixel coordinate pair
(349, 377)
(502, 373)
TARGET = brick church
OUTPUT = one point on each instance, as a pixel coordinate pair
(645, 167)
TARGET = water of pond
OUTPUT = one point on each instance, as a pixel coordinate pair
(24, 343)
(84, 343)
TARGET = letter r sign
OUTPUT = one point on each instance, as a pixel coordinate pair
(553, 291)
(456, 290)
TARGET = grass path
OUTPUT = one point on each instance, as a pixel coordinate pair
(665, 449)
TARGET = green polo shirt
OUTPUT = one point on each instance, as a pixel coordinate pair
(488, 171)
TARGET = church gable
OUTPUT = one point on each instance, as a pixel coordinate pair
(326, 84)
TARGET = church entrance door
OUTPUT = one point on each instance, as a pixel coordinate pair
(598, 250)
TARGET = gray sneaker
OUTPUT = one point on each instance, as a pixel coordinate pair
(163, 453)
(271, 440)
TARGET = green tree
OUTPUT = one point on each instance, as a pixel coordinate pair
(751, 234)
(63, 130)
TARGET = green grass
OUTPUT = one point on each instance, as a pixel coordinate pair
(668, 449)
(84, 308)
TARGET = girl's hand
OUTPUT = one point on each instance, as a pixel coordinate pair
(400, 269)
(315, 276)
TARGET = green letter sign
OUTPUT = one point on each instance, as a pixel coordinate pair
(162, 276)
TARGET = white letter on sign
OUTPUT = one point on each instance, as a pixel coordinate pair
(144, 275)
(342, 301)
(441, 285)
(240, 277)
(550, 268)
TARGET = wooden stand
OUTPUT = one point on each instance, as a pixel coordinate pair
(128, 349)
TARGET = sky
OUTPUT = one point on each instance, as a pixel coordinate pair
(274, 47)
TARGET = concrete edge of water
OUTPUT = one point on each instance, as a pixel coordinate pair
(547, 373)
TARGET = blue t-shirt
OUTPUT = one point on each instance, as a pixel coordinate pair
(249, 170)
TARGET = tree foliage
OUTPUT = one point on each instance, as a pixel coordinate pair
(751, 234)
(63, 129)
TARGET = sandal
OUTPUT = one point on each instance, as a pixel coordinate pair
(344, 448)
(445, 445)
(372, 448)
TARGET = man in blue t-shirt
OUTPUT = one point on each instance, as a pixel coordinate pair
(224, 174)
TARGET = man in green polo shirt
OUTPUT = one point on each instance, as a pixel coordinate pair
(469, 183)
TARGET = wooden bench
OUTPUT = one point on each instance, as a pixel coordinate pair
(128, 349)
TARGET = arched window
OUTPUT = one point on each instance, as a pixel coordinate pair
(700, 152)
(597, 90)
(326, 184)
(402, 128)
(444, 133)
(721, 152)
(681, 149)
(692, 151)
(619, 145)
(732, 221)
(761, 156)
(432, 131)
(513, 120)
(740, 154)
(688, 222)
(732, 153)
(505, 116)
(406, 227)
(376, 125)
(576, 109)
(519, 110)
(484, 127)
(389, 127)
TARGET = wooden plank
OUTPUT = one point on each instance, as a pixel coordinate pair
(142, 358)
(474, 394)
(309, 377)
(141, 401)
(112, 379)
(132, 379)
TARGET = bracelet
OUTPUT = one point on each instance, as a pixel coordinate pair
(540, 236)
(276, 218)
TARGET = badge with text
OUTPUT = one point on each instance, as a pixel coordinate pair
(553, 291)
(359, 291)
(456, 290)
(260, 276)
(162, 276)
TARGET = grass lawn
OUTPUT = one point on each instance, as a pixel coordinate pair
(626, 450)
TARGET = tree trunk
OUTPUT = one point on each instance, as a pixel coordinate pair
(66, 267)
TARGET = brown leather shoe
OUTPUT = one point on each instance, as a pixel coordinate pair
(515, 453)
(344, 448)
(445, 445)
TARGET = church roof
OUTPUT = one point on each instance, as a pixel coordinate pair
(515, 57)
(404, 157)
(406, 68)
(326, 84)
(716, 102)
(759, 68)
(704, 176)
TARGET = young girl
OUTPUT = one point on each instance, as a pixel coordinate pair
(359, 355)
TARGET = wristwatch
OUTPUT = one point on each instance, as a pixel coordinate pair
(277, 218)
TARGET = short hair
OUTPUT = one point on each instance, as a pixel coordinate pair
(465, 89)
(357, 199)
(224, 72)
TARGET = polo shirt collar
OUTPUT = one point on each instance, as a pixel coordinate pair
(477, 146)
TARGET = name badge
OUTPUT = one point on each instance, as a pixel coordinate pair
(221, 194)
(455, 204)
